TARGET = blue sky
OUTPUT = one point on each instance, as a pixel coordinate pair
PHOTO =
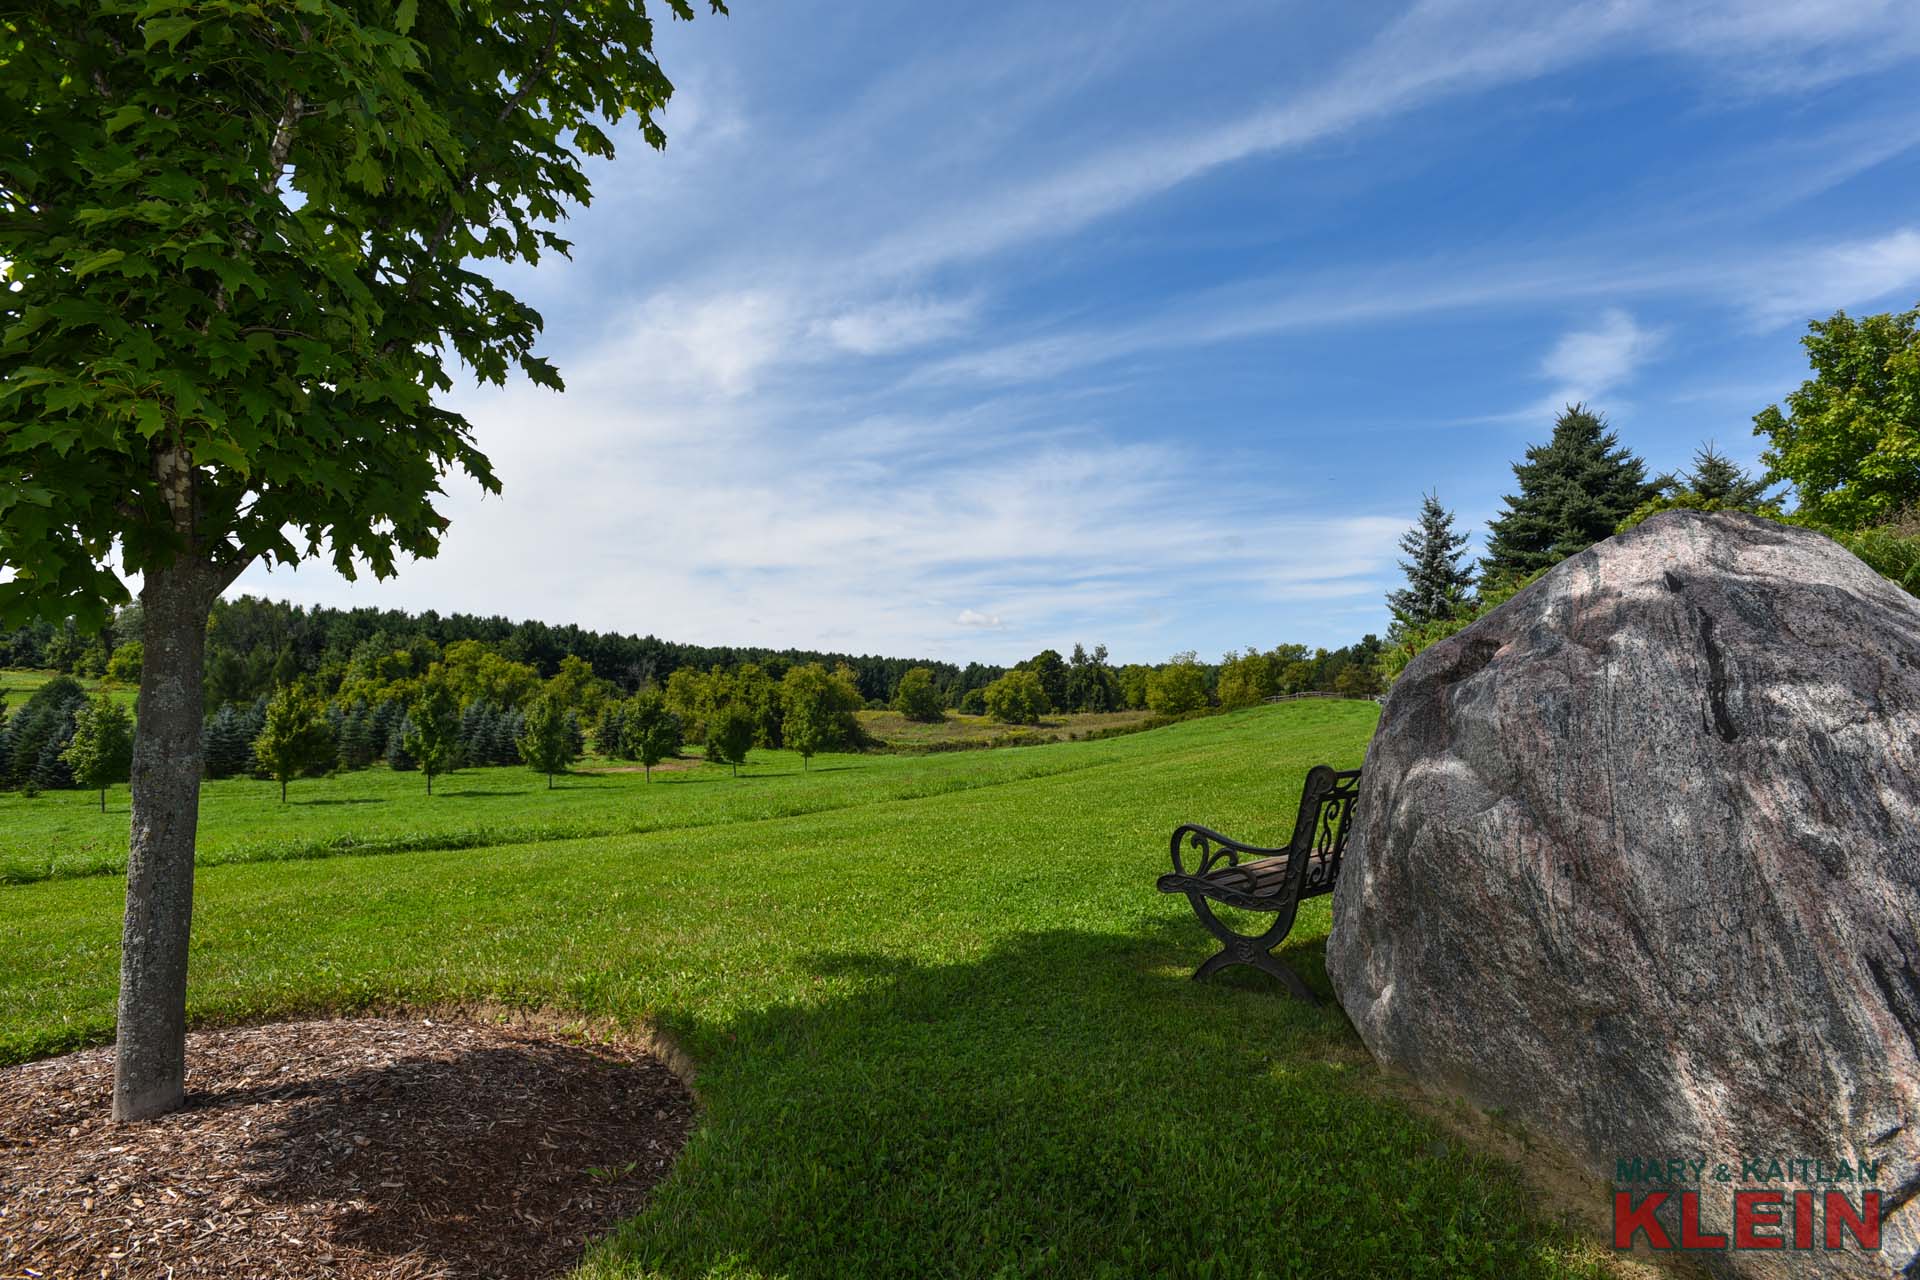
(962, 331)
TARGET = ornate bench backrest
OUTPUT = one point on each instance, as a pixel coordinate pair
(1320, 831)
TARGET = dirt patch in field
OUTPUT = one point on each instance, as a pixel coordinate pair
(665, 766)
(353, 1148)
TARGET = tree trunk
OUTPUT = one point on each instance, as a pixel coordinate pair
(149, 1068)
(283, 791)
(103, 799)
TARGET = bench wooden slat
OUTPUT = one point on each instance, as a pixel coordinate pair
(1271, 880)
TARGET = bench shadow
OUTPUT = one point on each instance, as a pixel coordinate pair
(1067, 1102)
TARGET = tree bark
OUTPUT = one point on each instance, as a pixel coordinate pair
(149, 1069)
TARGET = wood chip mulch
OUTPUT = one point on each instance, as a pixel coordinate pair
(349, 1148)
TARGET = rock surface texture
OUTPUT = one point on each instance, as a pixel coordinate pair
(1639, 862)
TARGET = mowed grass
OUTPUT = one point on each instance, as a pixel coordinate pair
(58, 834)
(950, 1034)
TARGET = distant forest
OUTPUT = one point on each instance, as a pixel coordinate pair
(255, 646)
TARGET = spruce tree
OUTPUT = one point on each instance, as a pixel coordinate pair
(399, 754)
(228, 747)
(51, 772)
(1437, 581)
(1716, 479)
(1574, 491)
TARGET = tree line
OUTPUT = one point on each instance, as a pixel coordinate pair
(1842, 457)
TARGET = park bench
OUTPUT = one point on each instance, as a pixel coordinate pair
(1215, 868)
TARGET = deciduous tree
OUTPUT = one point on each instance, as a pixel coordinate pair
(433, 730)
(1178, 686)
(918, 698)
(549, 741)
(294, 739)
(101, 752)
(1017, 697)
(239, 244)
(652, 731)
(730, 735)
(1849, 441)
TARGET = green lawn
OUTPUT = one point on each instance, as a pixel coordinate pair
(938, 1031)
(63, 833)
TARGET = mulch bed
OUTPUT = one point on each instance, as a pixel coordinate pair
(350, 1148)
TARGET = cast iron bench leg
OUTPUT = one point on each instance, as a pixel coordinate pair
(1238, 948)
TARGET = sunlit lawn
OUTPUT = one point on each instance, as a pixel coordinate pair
(941, 1021)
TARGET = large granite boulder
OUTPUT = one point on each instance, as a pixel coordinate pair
(1639, 862)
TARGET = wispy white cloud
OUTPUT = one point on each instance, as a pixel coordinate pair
(1589, 362)
(897, 324)
(1819, 280)
(825, 412)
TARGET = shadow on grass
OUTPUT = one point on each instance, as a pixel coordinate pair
(1067, 1103)
(341, 800)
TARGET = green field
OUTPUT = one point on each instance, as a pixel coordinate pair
(17, 686)
(941, 1021)
(895, 732)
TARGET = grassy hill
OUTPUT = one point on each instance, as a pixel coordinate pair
(942, 1023)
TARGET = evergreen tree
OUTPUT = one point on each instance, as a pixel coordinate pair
(227, 746)
(1437, 581)
(45, 717)
(358, 742)
(1715, 478)
(400, 757)
(548, 740)
(101, 752)
(507, 728)
(476, 732)
(610, 731)
(1574, 491)
(1091, 683)
(50, 771)
(1715, 484)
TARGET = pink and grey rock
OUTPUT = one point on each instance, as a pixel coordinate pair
(1639, 863)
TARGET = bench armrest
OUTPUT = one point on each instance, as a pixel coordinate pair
(1212, 848)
